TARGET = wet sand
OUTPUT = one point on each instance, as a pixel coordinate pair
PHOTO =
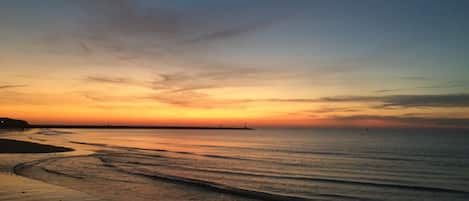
(18, 188)
(15, 146)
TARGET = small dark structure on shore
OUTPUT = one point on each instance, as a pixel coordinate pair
(7, 123)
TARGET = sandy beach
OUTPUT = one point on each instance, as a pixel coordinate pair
(18, 188)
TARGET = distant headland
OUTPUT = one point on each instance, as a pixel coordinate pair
(8, 123)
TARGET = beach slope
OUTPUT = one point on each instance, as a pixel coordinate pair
(18, 188)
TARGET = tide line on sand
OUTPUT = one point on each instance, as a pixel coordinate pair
(18, 188)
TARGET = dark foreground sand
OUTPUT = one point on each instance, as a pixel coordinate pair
(18, 188)
(14, 146)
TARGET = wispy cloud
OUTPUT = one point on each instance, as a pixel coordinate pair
(448, 100)
(324, 110)
(186, 89)
(421, 121)
(85, 47)
(125, 17)
(109, 79)
(105, 98)
(183, 88)
(9, 86)
(440, 100)
(118, 23)
(289, 100)
(194, 99)
(231, 32)
(447, 85)
(415, 78)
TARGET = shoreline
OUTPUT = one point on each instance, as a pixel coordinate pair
(17, 187)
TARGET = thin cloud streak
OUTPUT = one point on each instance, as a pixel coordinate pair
(453, 122)
(415, 78)
(452, 100)
(9, 86)
(447, 85)
(325, 110)
(173, 87)
(406, 101)
(231, 32)
(181, 89)
(193, 99)
(108, 79)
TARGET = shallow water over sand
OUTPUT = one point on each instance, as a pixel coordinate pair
(271, 164)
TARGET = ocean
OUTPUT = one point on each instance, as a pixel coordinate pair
(262, 164)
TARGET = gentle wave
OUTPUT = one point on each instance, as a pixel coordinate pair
(263, 161)
(87, 143)
(61, 173)
(52, 132)
(181, 180)
(314, 179)
(233, 190)
(108, 162)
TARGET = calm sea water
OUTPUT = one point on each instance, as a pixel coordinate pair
(273, 164)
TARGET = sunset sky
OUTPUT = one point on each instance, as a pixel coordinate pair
(219, 62)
